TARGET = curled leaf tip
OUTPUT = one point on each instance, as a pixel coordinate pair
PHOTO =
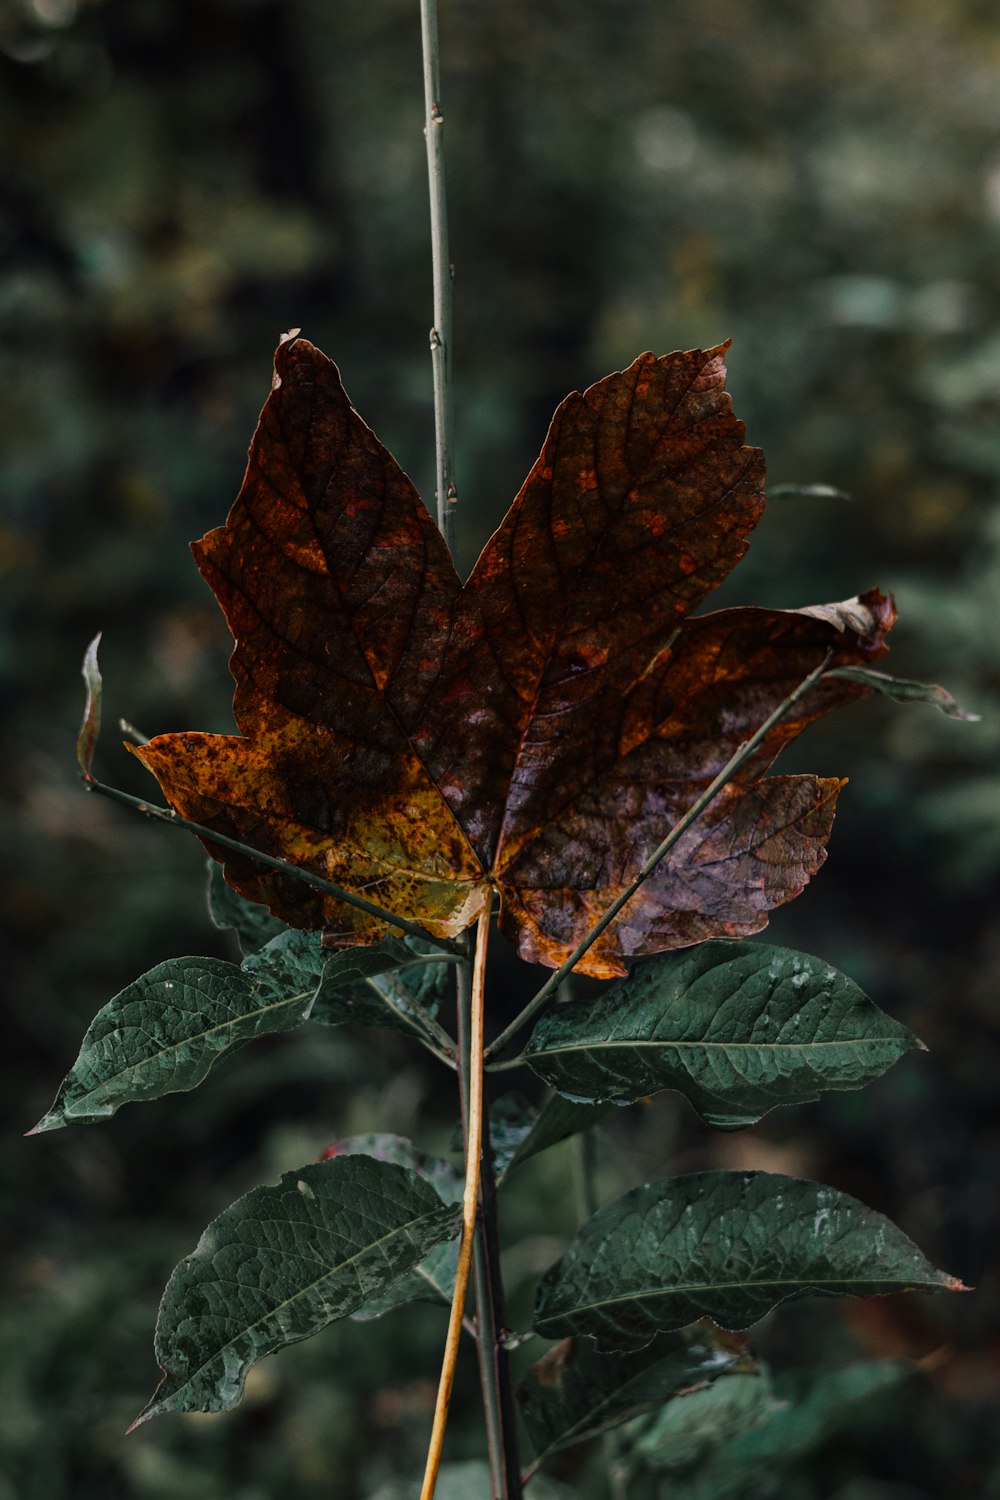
(906, 690)
(288, 337)
(86, 740)
(807, 492)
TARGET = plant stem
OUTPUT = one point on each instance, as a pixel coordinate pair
(494, 1357)
(698, 806)
(167, 815)
(479, 1270)
(507, 1064)
(130, 732)
(442, 273)
(588, 1204)
(494, 1377)
(470, 1203)
(479, 1241)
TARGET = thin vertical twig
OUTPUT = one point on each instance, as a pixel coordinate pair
(479, 1240)
(480, 1269)
(494, 1359)
(470, 1205)
(442, 274)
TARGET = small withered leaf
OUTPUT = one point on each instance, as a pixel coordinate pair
(537, 731)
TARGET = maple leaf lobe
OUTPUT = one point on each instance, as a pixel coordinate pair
(582, 583)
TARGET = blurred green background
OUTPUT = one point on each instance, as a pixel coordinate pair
(183, 180)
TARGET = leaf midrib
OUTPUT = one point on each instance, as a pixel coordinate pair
(615, 1045)
(438, 1286)
(799, 1283)
(392, 1002)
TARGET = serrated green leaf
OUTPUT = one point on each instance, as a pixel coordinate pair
(573, 1393)
(282, 1263)
(165, 1032)
(252, 923)
(724, 1245)
(685, 1431)
(524, 1131)
(736, 1027)
(434, 1279)
(809, 1410)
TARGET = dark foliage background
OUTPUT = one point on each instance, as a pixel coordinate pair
(184, 179)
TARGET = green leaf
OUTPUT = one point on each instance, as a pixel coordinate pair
(358, 984)
(292, 960)
(724, 1245)
(905, 690)
(434, 1279)
(519, 1130)
(362, 985)
(445, 1179)
(512, 1118)
(736, 1027)
(429, 974)
(90, 728)
(808, 1411)
(166, 1031)
(573, 1393)
(685, 1431)
(283, 1262)
(347, 984)
(252, 923)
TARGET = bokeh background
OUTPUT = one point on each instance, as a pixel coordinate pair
(182, 180)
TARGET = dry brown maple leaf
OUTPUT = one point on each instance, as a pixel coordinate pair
(537, 731)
